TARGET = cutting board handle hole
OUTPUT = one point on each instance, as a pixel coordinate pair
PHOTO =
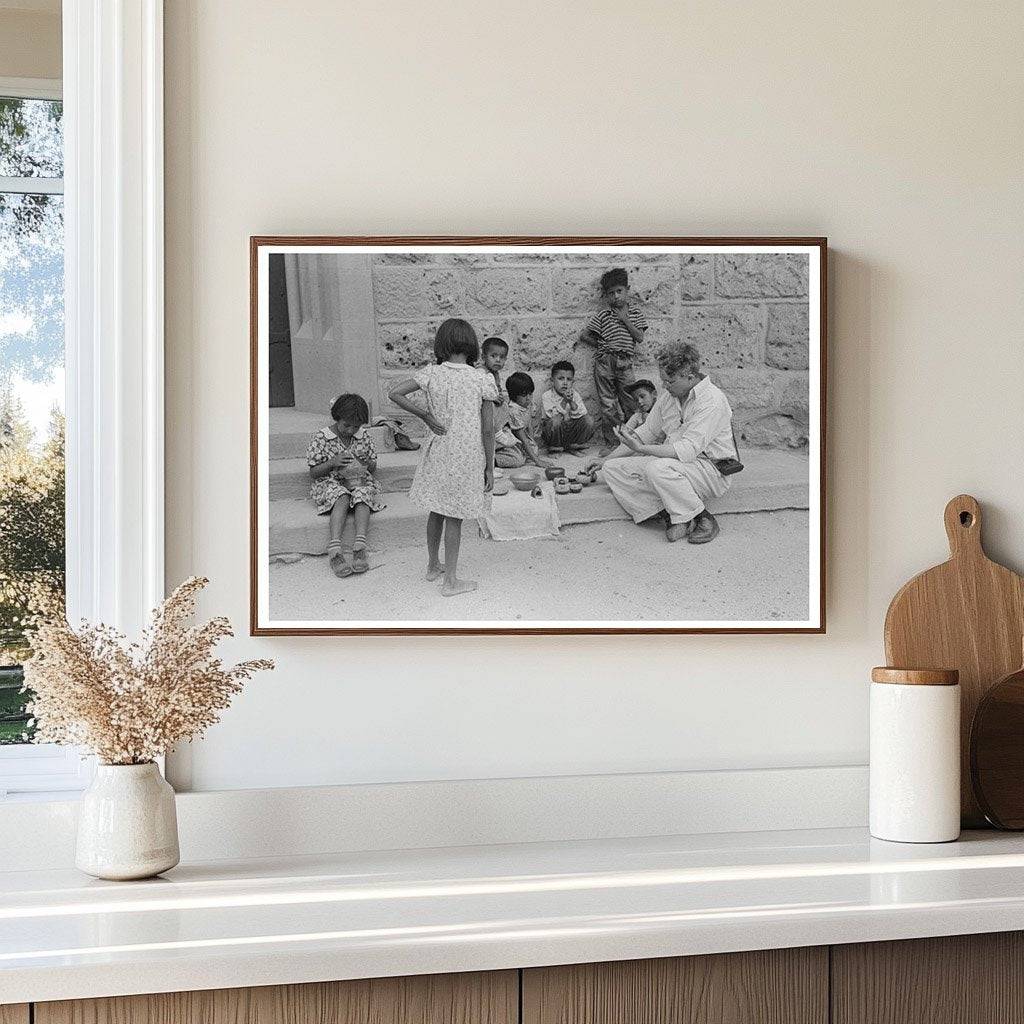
(966, 519)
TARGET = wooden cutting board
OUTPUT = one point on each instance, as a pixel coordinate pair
(967, 614)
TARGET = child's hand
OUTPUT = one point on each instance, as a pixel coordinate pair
(622, 312)
(435, 427)
(488, 480)
(340, 460)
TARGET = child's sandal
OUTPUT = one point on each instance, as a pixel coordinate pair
(360, 559)
(339, 564)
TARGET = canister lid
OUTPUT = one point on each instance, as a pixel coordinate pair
(916, 676)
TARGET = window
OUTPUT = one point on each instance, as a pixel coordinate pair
(32, 563)
(108, 206)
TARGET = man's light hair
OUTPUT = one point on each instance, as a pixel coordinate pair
(677, 357)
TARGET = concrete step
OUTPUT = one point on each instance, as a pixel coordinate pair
(289, 478)
(771, 481)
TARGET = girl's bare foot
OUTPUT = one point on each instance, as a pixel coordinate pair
(434, 572)
(458, 587)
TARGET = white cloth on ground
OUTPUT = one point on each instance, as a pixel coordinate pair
(519, 516)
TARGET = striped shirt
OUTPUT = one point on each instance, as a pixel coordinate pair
(612, 331)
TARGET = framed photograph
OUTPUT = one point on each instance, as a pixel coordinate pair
(537, 435)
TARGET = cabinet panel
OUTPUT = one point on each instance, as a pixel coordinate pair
(14, 1013)
(480, 998)
(778, 986)
(961, 979)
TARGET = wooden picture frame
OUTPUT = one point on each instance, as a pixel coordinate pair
(262, 246)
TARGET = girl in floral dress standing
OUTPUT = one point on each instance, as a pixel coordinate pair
(342, 460)
(454, 479)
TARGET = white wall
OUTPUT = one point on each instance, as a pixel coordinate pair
(895, 129)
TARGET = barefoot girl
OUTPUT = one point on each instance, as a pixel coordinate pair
(341, 461)
(454, 479)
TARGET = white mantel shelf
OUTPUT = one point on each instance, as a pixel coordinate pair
(264, 922)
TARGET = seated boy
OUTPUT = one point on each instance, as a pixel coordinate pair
(616, 330)
(645, 394)
(494, 353)
(565, 423)
(514, 445)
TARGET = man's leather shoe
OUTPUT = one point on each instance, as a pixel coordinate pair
(705, 529)
(677, 531)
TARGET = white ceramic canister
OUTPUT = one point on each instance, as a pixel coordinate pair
(915, 755)
(127, 825)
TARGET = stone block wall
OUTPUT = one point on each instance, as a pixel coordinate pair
(748, 315)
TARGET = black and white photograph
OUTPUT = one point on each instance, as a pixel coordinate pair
(557, 435)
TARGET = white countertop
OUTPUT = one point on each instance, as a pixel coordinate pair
(261, 922)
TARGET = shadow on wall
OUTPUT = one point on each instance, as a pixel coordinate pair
(747, 313)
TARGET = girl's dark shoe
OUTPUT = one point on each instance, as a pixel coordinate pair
(360, 561)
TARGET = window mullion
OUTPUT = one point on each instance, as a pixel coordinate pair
(32, 186)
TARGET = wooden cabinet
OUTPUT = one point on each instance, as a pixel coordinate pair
(962, 979)
(777, 986)
(969, 979)
(483, 998)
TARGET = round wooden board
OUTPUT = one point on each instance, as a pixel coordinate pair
(997, 752)
(967, 614)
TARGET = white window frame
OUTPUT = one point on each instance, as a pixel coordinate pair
(114, 333)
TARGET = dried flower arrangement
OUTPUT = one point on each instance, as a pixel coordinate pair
(130, 703)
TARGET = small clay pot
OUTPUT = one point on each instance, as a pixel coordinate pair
(537, 492)
(561, 485)
(575, 486)
(583, 479)
(554, 472)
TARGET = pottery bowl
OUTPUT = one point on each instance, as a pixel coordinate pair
(554, 472)
(575, 486)
(523, 479)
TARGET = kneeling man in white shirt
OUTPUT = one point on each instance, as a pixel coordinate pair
(668, 463)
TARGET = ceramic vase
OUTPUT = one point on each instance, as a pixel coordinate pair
(127, 825)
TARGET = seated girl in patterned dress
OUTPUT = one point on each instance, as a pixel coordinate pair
(342, 461)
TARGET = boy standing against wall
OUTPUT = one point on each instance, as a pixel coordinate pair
(616, 331)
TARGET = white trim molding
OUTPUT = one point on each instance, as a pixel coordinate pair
(113, 109)
(43, 771)
(314, 821)
(31, 88)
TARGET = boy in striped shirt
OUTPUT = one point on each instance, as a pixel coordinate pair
(616, 331)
